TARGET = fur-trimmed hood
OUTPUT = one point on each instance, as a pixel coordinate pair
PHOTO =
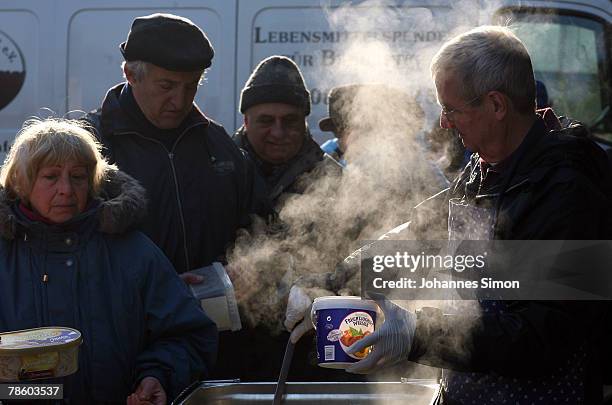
(122, 205)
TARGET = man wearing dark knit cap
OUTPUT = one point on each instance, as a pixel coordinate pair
(275, 104)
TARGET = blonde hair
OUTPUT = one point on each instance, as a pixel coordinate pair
(47, 142)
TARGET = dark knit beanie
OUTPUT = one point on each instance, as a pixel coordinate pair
(276, 79)
(168, 41)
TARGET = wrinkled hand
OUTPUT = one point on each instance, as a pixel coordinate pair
(190, 278)
(392, 341)
(148, 392)
(298, 309)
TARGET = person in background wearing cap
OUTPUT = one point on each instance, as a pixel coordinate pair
(198, 182)
(275, 104)
(360, 128)
(336, 121)
(334, 147)
(350, 114)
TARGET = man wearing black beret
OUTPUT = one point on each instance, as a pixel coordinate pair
(199, 184)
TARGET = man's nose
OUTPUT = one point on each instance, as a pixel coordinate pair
(277, 130)
(179, 99)
(445, 123)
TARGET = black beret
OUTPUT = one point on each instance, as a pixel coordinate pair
(168, 41)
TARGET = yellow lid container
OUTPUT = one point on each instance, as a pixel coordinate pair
(39, 353)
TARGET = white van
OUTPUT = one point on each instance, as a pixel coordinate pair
(63, 55)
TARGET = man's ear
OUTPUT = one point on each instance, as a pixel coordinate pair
(128, 74)
(499, 103)
(245, 120)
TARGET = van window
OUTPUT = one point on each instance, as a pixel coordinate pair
(571, 59)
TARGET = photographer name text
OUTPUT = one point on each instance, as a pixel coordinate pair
(435, 283)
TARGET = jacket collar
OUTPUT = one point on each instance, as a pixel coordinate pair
(120, 207)
(310, 152)
(115, 121)
(544, 149)
(280, 177)
(59, 237)
(492, 178)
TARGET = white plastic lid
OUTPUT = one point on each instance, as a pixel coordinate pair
(352, 302)
(39, 338)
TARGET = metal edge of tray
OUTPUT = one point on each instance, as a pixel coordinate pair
(409, 391)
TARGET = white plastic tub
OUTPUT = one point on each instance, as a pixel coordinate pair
(340, 322)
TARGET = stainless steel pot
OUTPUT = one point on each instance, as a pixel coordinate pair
(408, 392)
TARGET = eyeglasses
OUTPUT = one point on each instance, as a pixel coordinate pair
(448, 113)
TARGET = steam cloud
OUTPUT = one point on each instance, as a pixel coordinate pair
(390, 170)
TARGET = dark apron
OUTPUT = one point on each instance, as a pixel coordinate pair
(466, 221)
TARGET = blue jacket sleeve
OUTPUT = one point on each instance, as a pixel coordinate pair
(180, 340)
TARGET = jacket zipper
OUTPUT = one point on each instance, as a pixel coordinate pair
(45, 282)
(180, 207)
(45, 300)
(174, 177)
(41, 306)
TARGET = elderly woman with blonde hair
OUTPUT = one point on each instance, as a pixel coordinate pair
(68, 257)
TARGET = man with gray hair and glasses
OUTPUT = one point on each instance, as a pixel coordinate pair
(528, 179)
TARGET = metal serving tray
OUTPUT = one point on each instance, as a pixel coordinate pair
(408, 392)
